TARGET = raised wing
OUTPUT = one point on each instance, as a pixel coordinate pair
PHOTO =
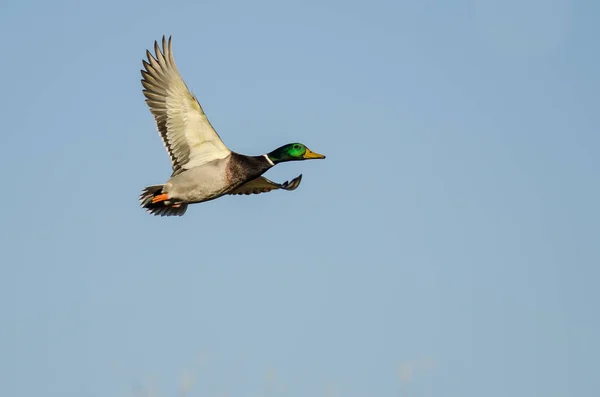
(187, 134)
(263, 185)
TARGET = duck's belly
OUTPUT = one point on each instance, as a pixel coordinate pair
(199, 184)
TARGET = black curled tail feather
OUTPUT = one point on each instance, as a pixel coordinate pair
(161, 208)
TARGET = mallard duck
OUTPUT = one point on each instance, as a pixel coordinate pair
(203, 167)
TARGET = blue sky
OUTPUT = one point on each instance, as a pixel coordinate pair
(445, 247)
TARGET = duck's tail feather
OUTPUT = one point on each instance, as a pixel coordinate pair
(157, 203)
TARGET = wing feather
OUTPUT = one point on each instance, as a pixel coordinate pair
(263, 185)
(186, 133)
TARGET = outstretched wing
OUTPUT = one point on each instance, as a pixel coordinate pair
(187, 134)
(263, 185)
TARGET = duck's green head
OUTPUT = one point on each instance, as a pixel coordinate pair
(293, 152)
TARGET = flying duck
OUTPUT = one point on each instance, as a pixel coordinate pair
(203, 167)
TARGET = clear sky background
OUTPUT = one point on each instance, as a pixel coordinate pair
(447, 246)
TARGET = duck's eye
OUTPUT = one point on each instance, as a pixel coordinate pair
(296, 147)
